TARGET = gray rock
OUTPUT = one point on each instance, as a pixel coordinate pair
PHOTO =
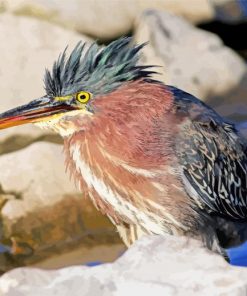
(152, 266)
(233, 104)
(191, 59)
(105, 18)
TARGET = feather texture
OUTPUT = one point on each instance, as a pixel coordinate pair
(97, 70)
(213, 159)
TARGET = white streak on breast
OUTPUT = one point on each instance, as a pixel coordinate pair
(168, 216)
(150, 221)
(131, 169)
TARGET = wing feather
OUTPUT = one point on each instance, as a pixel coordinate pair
(212, 156)
(214, 163)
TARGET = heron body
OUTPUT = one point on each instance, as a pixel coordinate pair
(130, 175)
(151, 157)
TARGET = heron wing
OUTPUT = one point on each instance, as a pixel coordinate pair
(214, 166)
(212, 156)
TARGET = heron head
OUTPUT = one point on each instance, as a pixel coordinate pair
(76, 82)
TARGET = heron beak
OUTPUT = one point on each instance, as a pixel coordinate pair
(35, 111)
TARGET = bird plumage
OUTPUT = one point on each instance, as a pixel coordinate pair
(213, 157)
(96, 69)
(120, 150)
(151, 157)
(134, 164)
(155, 159)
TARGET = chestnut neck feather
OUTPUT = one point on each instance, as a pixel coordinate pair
(130, 120)
(135, 123)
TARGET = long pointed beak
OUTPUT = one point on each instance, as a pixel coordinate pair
(34, 111)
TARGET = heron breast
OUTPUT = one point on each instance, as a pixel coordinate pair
(109, 196)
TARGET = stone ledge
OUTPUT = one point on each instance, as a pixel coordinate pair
(154, 265)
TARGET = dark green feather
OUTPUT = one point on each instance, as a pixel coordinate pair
(98, 71)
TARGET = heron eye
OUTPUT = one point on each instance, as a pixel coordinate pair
(83, 97)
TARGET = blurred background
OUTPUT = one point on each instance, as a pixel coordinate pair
(202, 48)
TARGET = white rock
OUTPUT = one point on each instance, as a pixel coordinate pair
(191, 59)
(108, 18)
(38, 174)
(154, 265)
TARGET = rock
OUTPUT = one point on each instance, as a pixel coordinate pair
(191, 59)
(105, 19)
(43, 211)
(20, 137)
(153, 265)
(28, 46)
(233, 104)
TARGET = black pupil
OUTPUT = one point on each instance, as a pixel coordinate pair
(82, 97)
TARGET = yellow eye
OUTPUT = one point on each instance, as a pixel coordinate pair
(83, 97)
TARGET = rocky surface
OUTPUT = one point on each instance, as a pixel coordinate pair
(191, 59)
(108, 18)
(153, 266)
(41, 211)
(233, 104)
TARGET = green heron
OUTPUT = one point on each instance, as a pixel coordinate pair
(151, 157)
